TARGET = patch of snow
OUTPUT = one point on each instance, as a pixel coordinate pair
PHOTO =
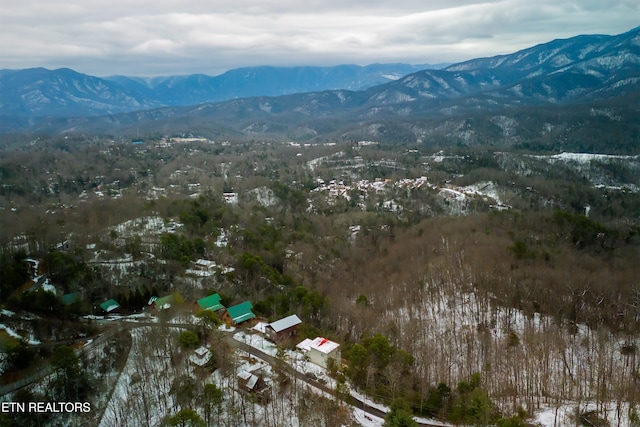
(226, 328)
(452, 194)
(507, 124)
(564, 415)
(260, 327)
(199, 273)
(265, 196)
(222, 240)
(48, 287)
(367, 420)
(517, 89)
(257, 341)
(16, 335)
(368, 402)
(483, 189)
(391, 76)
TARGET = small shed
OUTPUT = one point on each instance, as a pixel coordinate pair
(238, 314)
(253, 383)
(247, 381)
(68, 299)
(200, 356)
(163, 303)
(109, 306)
(283, 329)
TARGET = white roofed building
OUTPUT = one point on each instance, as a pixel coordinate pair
(321, 350)
(205, 265)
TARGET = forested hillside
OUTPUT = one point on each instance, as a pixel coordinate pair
(468, 286)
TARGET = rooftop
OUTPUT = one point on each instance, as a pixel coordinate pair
(164, 302)
(323, 345)
(320, 344)
(212, 302)
(70, 298)
(286, 323)
(205, 263)
(109, 305)
(241, 312)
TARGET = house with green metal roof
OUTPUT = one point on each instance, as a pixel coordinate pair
(238, 313)
(68, 299)
(212, 302)
(164, 302)
(109, 306)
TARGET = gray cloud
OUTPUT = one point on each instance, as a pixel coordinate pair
(163, 37)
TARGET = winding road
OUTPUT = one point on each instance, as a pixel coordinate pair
(227, 337)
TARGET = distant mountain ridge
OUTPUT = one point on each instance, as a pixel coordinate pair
(584, 87)
(64, 92)
(265, 81)
(561, 70)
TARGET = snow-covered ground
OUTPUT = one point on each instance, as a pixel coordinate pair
(11, 332)
(591, 167)
(301, 364)
(547, 414)
(583, 157)
(145, 225)
(142, 395)
(19, 330)
(564, 415)
(483, 189)
(366, 420)
(462, 332)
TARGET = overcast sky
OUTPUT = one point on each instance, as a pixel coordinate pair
(166, 37)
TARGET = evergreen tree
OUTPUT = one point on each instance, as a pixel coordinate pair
(400, 415)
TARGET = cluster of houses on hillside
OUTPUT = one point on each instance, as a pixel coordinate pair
(252, 378)
(319, 350)
(234, 315)
(450, 194)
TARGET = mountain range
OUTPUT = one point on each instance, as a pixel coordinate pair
(575, 89)
(65, 92)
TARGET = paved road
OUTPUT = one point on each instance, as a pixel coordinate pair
(282, 366)
(286, 368)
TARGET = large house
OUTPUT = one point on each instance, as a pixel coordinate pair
(283, 329)
(321, 350)
(238, 314)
